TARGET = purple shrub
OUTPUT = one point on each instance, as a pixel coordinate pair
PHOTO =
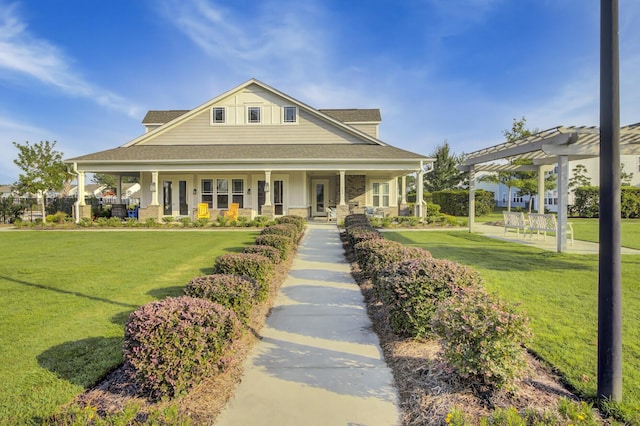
(231, 291)
(377, 254)
(282, 243)
(267, 251)
(255, 266)
(412, 289)
(174, 343)
(286, 229)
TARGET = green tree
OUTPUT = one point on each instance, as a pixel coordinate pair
(625, 178)
(580, 177)
(111, 181)
(42, 170)
(444, 174)
(9, 209)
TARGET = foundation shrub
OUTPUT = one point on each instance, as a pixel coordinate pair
(231, 291)
(267, 251)
(482, 337)
(357, 234)
(282, 243)
(286, 229)
(411, 290)
(356, 220)
(173, 343)
(251, 265)
(296, 220)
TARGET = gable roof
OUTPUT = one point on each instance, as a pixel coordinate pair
(180, 118)
(161, 117)
(354, 115)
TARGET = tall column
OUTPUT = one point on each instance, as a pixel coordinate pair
(81, 184)
(154, 188)
(541, 171)
(119, 189)
(267, 187)
(403, 199)
(563, 197)
(420, 193)
(472, 197)
(342, 187)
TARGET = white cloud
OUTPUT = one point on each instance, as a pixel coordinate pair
(22, 54)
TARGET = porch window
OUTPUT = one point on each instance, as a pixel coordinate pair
(206, 192)
(237, 191)
(218, 115)
(290, 114)
(380, 194)
(253, 114)
(278, 197)
(222, 193)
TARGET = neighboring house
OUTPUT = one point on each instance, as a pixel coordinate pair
(264, 150)
(631, 166)
(7, 191)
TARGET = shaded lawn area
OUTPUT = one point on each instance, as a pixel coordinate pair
(559, 293)
(66, 295)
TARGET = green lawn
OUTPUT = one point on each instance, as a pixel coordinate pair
(66, 295)
(559, 293)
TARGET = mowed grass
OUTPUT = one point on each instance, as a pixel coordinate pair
(559, 294)
(65, 297)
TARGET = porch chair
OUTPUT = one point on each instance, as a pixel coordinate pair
(331, 214)
(203, 211)
(232, 213)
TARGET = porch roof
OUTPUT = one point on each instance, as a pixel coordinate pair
(249, 153)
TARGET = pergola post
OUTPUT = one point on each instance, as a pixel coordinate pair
(472, 197)
(541, 170)
(420, 193)
(563, 198)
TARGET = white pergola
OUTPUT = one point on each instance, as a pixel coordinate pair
(558, 145)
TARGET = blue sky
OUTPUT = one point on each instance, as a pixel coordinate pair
(84, 73)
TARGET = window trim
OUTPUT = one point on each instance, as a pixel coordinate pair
(284, 114)
(381, 194)
(249, 109)
(213, 115)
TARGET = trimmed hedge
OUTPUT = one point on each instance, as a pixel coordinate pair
(284, 244)
(455, 202)
(255, 266)
(376, 254)
(587, 202)
(267, 251)
(231, 291)
(412, 289)
(482, 337)
(174, 343)
(286, 229)
(296, 220)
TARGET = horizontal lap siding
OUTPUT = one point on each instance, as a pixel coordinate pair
(199, 131)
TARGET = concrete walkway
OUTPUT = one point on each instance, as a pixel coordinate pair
(319, 361)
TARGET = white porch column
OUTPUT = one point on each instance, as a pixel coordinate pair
(119, 189)
(420, 193)
(541, 171)
(342, 187)
(267, 187)
(472, 197)
(81, 176)
(154, 188)
(563, 198)
(403, 199)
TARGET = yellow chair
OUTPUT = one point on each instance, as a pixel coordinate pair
(203, 211)
(232, 213)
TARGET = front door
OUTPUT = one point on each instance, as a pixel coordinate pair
(320, 196)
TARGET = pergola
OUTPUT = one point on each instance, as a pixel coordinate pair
(558, 145)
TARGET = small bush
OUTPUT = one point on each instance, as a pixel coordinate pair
(231, 291)
(412, 290)
(287, 229)
(357, 234)
(249, 265)
(260, 221)
(482, 337)
(114, 222)
(267, 251)
(150, 222)
(85, 222)
(167, 219)
(185, 222)
(376, 254)
(174, 343)
(282, 243)
(296, 220)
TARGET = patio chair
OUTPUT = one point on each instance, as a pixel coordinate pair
(203, 211)
(331, 214)
(232, 213)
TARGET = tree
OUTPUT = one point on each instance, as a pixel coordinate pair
(444, 174)
(518, 130)
(625, 178)
(580, 177)
(43, 170)
(111, 181)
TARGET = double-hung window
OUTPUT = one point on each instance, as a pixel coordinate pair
(237, 191)
(380, 194)
(206, 192)
(253, 114)
(222, 193)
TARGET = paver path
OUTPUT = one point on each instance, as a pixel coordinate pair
(319, 361)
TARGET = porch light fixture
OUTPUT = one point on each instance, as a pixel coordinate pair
(266, 187)
(195, 191)
(248, 191)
